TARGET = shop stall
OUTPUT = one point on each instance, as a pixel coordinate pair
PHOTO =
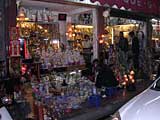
(132, 16)
(110, 40)
(55, 42)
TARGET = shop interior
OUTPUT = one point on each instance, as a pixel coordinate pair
(116, 24)
(53, 27)
(110, 39)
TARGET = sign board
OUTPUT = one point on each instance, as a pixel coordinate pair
(84, 2)
(145, 6)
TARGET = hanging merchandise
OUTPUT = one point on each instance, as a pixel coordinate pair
(15, 48)
(45, 16)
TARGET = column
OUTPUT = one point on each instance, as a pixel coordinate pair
(10, 21)
(95, 34)
(2, 30)
(98, 23)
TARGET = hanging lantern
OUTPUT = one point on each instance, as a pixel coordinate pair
(106, 13)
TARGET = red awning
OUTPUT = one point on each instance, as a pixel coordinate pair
(144, 6)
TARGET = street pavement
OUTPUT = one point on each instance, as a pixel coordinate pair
(109, 105)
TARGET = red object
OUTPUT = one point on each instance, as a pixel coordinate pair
(68, 110)
(145, 6)
(23, 69)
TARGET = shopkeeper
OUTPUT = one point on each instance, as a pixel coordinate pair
(86, 43)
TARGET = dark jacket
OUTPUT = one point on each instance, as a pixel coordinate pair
(123, 44)
(135, 46)
(106, 77)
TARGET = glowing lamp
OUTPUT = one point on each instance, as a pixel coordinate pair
(67, 34)
(132, 72)
(40, 27)
(70, 35)
(101, 41)
(130, 77)
(73, 35)
(126, 79)
(70, 29)
(133, 81)
(26, 19)
(125, 76)
(124, 83)
(102, 36)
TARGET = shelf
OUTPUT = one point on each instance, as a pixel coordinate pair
(83, 26)
(13, 56)
(41, 22)
(69, 68)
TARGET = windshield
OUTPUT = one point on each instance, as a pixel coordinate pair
(156, 85)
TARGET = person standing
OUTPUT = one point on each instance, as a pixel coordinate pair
(123, 50)
(123, 42)
(135, 49)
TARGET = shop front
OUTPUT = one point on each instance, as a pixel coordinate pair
(50, 46)
(53, 42)
(127, 16)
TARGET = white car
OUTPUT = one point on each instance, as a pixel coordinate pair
(145, 106)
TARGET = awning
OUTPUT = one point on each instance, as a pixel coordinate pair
(150, 7)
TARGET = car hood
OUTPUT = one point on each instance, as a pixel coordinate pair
(145, 106)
